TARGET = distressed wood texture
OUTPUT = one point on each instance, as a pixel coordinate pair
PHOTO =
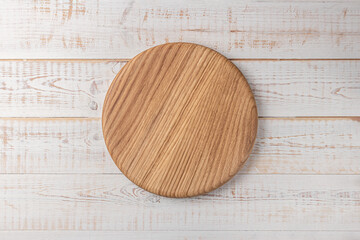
(283, 146)
(247, 202)
(182, 235)
(302, 180)
(77, 88)
(121, 29)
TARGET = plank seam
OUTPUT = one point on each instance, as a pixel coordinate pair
(140, 231)
(355, 118)
(128, 59)
(250, 174)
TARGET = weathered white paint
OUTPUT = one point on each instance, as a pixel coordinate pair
(112, 202)
(181, 235)
(77, 88)
(283, 146)
(55, 174)
(122, 29)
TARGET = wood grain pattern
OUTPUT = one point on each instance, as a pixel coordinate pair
(179, 120)
(77, 88)
(181, 235)
(283, 146)
(122, 29)
(248, 202)
(74, 195)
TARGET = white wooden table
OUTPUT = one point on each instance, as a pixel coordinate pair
(301, 58)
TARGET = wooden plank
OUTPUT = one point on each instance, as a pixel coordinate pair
(77, 88)
(112, 202)
(283, 146)
(238, 29)
(179, 235)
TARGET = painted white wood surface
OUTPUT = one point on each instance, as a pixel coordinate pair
(112, 202)
(121, 29)
(179, 235)
(78, 88)
(57, 180)
(283, 146)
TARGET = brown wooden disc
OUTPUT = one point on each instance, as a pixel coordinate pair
(179, 120)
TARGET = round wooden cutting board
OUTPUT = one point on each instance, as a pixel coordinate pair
(179, 120)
